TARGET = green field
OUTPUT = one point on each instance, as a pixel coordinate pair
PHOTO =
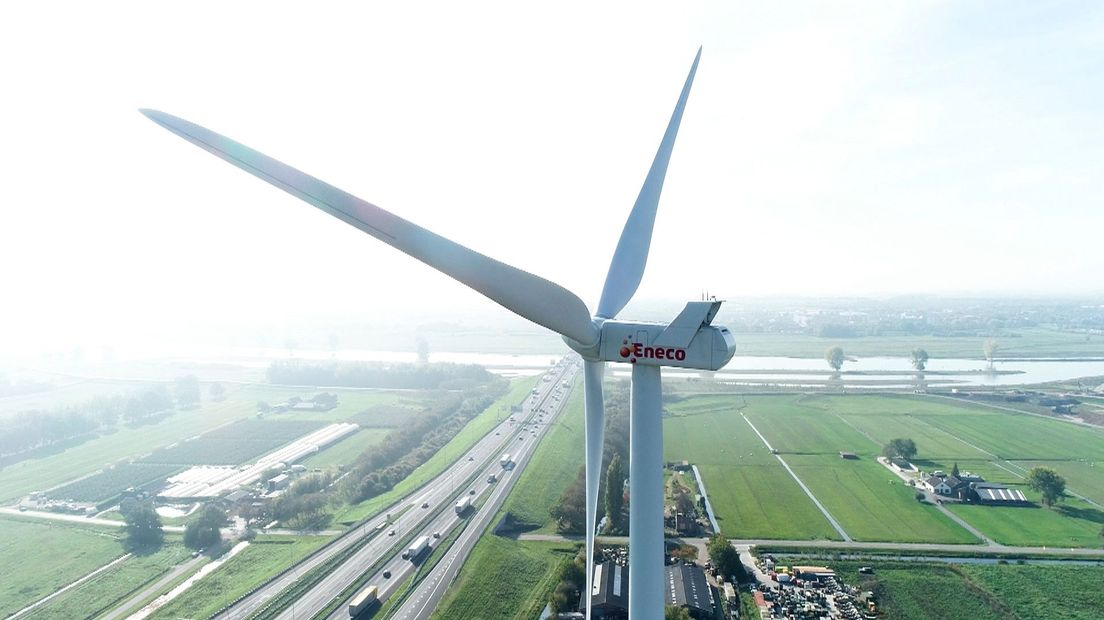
(754, 498)
(1043, 592)
(110, 482)
(472, 432)
(752, 495)
(37, 559)
(346, 451)
(263, 558)
(552, 468)
(127, 443)
(112, 587)
(504, 578)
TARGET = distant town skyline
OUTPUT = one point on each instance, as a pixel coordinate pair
(863, 150)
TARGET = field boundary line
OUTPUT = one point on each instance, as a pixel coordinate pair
(76, 583)
(832, 520)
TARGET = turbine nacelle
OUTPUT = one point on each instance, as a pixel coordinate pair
(690, 341)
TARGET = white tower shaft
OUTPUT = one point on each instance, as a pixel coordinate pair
(646, 495)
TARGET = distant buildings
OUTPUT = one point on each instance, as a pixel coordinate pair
(687, 587)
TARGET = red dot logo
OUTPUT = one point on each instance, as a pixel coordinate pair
(625, 351)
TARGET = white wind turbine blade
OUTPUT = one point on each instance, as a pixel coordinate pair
(627, 267)
(541, 301)
(593, 373)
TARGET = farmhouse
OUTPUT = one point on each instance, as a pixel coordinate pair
(943, 484)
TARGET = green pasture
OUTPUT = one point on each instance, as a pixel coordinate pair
(1083, 476)
(111, 588)
(1042, 592)
(38, 559)
(752, 495)
(1072, 523)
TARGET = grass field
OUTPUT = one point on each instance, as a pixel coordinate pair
(112, 587)
(752, 495)
(1043, 592)
(110, 482)
(263, 558)
(504, 578)
(868, 500)
(479, 426)
(37, 559)
(552, 468)
(346, 451)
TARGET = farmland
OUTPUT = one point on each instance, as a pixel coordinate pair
(347, 450)
(233, 444)
(37, 559)
(110, 482)
(753, 497)
(131, 442)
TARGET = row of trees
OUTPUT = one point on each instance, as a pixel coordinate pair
(36, 428)
(418, 439)
(378, 375)
(918, 357)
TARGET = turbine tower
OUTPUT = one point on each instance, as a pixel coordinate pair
(689, 341)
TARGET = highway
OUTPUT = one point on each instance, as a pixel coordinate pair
(409, 518)
(423, 600)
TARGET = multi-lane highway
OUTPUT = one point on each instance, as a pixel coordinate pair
(427, 510)
(422, 601)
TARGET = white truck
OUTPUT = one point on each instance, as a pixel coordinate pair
(417, 547)
(463, 504)
(505, 461)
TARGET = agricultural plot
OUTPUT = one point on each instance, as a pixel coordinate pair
(112, 481)
(872, 504)
(793, 428)
(1073, 523)
(1043, 592)
(752, 495)
(234, 444)
(1085, 477)
(37, 559)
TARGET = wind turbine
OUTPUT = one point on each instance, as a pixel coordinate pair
(690, 341)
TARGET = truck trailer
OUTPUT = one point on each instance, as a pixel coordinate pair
(363, 601)
(463, 504)
(417, 547)
(505, 461)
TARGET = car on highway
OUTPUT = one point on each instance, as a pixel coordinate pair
(386, 574)
(425, 504)
(471, 492)
(436, 534)
(471, 458)
(391, 533)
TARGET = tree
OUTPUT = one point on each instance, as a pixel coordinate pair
(423, 350)
(725, 557)
(218, 392)
(834, 357)
(1048, 483)
(615, 498)
(186, 389)
(676, 613)
(899, 448)
(919, 359)
(989, 347)
(204, 531)
(143, 527)
(954, 470)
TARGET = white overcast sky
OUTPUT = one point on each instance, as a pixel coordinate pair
(843, 148)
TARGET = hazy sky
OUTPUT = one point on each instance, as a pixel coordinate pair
(827, 149)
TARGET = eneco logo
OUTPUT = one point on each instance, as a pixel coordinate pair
(635, 350)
